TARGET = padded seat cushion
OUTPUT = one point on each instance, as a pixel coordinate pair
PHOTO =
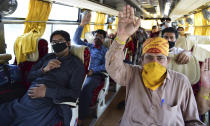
(191, 70)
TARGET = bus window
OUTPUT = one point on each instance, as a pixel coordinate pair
(11, 32)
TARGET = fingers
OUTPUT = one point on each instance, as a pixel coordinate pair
(137, 24)
(124, 12)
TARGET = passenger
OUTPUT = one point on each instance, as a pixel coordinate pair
(203, 96)
(97, 65)
(56, 78)
(171, 35)
(155, 31)
(180, 31)
(155, 95)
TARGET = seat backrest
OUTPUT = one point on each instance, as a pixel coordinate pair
(4, 58)
(191, 70)
(26, 66)
(83, 53)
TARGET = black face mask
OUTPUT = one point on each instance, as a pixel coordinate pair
(171, 44)
(59, 47)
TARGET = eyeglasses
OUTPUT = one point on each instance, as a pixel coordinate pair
(53, 42)
(158, 58)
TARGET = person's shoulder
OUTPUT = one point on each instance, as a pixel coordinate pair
(104, 48)
(179, 78)
(76, 61)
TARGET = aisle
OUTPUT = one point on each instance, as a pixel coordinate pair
(112, 115)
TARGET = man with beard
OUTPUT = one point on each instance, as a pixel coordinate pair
(97, 65)
(56, 78)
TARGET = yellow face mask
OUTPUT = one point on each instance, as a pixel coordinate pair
(153, 75)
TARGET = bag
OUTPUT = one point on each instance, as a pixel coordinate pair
(10, 83)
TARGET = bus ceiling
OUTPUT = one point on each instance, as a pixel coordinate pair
(145, 8)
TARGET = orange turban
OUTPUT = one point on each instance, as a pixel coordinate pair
(156, 45)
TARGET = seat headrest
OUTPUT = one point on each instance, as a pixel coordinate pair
(5, 58)
(78, 51)
(191, 70)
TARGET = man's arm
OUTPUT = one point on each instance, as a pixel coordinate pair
(117, 69)
(183, 56)
(72, 92)
(203, 96)
(78, 33)
(36, 71)
(189, 106)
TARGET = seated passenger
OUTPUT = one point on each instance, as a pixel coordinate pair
(171, 35)
(155, 95)
(203, 96)
(56, 78)
(97, 65)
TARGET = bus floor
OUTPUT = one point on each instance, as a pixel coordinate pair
(113, 113)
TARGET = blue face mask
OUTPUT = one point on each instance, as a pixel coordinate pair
(171, 44)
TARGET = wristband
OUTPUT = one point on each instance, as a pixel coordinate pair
(121, 42)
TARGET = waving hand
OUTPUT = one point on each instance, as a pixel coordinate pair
(127, 24)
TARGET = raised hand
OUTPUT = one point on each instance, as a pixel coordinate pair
(127, 24)
(205, 74)
(86, 19)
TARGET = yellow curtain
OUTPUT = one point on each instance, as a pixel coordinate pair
(207, 28)
(201, 23)
(186, 25)
(116, 22)
(85, 30)
(110, 26)
(27, 43)
(100, 21)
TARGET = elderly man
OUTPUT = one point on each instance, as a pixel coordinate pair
(154, 94)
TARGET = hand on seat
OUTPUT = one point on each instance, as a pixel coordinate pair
(183, 57)
(38, 91)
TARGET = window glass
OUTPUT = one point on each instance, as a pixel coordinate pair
(68, 28)
(11, 32)
(46, 36)
(22, 9)
(60, 12)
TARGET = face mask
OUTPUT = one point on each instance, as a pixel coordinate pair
(97, 42)
(59, 47)
(171, 44)
(153, 75)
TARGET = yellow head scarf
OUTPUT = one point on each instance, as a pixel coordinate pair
(156, 45)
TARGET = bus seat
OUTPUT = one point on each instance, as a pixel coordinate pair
(83, 53)
(185, 43)
(191, 70)
(26, 66)
(4, 58)
(10, 77)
